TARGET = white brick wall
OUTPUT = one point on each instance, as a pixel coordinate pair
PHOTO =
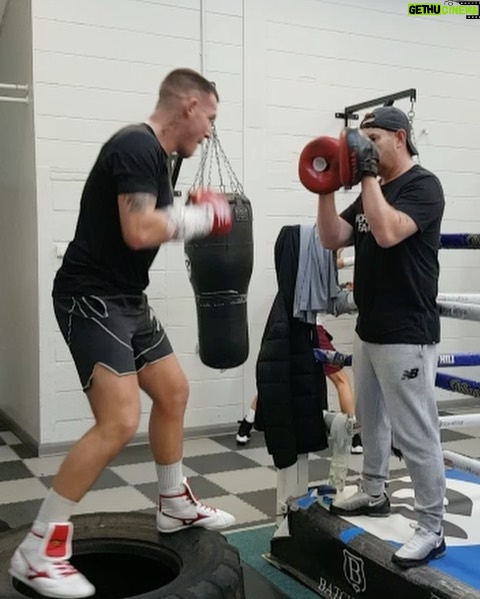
(283, 69)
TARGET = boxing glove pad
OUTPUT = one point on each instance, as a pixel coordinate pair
(358, 157)
(218, 206)
(318, 165)
(206, 213)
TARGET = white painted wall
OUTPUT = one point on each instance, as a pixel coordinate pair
(19, 328)
(283, 69)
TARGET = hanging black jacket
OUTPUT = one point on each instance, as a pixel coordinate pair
(291, 386)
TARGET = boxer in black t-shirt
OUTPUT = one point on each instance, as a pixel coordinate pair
(118, 345)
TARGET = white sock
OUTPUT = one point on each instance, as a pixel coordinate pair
(54, 508)
(170, 478)
(250, 417)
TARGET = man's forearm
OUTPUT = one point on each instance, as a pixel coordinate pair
(328, 222)
(387, 225)
(150, 231)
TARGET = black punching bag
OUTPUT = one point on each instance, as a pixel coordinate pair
(220, 268)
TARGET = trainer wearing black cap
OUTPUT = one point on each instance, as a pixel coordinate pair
(395, 227)
(390, 119)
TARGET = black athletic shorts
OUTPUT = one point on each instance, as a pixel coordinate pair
(120, 332)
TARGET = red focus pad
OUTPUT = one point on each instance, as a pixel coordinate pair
(347, 158)
(358, 157)
(318, 165)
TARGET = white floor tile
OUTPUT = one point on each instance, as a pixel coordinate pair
(245, 480)
(7, 454)
(136, 474)
(10, 438)
(45, 466)
(242, 511)
(195, 447)
(25, 489)
(119, 499)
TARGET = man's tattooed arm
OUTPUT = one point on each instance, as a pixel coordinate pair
(142, 225)
(139, 202)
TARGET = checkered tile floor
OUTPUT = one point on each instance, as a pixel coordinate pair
(239, 480)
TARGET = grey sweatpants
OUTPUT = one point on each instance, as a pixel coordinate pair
(395, 392)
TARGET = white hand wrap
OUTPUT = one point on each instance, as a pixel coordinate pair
(188, 222)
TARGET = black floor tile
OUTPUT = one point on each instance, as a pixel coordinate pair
(14, 470)
(20, 513)
(106, 480)
(133, 455)
(202, 487)
(265, 500)
(150, 490)
(24, 451)
(219, 462)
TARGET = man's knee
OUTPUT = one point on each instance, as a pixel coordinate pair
(179, 396)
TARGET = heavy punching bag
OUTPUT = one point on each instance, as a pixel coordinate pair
(220, 268)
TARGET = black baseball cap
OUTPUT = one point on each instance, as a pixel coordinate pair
(391, 119)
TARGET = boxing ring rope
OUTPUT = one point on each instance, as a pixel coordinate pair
(460, 241)
(463, 298)
(460, 310)
(336, 358)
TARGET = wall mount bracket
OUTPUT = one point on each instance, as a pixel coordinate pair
(350, 111)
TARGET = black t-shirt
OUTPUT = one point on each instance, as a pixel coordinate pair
(396, 288)
(98, 261)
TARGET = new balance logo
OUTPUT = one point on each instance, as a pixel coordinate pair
(410, 374)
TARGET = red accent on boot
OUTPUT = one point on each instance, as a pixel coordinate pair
(57, 544)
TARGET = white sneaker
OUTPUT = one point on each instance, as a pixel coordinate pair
(424, 546)
(41, 562)
(180, 511)
(361, 504)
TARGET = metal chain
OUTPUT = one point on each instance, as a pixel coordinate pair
(212, 150)
(210, 164)
(219, 166)
(234, 182)
(411, 117)
(198, 180)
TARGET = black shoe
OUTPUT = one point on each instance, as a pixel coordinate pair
(356, 446)
(244, 433)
